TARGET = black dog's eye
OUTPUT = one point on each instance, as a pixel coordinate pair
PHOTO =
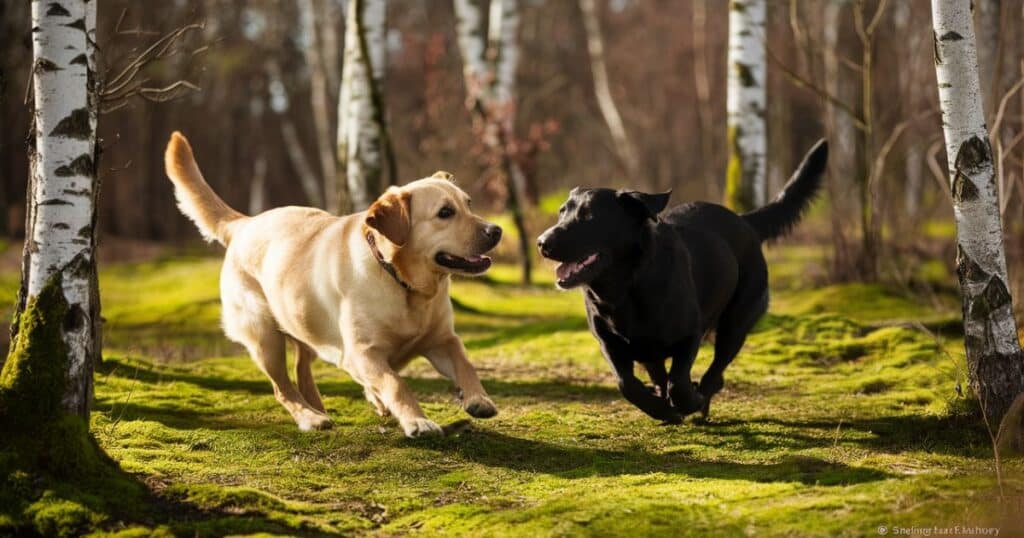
(583, 212)
(446, 212)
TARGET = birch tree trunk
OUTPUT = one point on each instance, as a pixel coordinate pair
(995, 364)
(595, 48)
(58, 263)
(361, 126)
(745, 103)
(489, 64)
(319, 102)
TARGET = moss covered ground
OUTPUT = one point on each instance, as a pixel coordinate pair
(841, 415)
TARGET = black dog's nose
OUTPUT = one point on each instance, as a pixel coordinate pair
(493, 232)
(542, 244)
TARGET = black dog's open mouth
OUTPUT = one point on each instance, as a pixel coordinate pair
(574, 273)
(472, 264)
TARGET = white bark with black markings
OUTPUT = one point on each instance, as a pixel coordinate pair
(489, 63)
(993, 350)
(62, 192)
(361, 129)
(745, 104)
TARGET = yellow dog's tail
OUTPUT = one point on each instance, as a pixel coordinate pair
(195, 198)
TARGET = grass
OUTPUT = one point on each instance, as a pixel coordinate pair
(837, 418)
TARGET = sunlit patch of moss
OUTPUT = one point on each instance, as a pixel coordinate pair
(865, 303)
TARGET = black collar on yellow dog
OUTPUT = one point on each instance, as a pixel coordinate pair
(388, 266)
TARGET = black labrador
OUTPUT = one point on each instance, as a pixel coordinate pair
(656, 285)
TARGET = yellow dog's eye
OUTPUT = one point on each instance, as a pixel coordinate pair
(446, 212)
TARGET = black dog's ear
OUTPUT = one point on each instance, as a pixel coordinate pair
(645, 204)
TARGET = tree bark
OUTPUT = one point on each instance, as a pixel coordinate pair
(995, 364)
(362, 132)
(595, 48)
(60, 237)
(319, 102)
(489, 66)
(747, 135)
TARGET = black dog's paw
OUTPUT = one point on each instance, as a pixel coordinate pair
(686, 400)
(707, 389)
(672, 419)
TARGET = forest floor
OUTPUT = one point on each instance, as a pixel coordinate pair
(840, 416)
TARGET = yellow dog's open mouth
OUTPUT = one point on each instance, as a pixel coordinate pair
(472, 264)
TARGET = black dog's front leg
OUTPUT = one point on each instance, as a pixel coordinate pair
(681, 389)
(636, 392)
(659, 377)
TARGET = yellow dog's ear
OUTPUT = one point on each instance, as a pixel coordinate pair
(441, 174)
(390, 216)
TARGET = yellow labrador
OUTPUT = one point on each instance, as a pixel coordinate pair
(367, 292)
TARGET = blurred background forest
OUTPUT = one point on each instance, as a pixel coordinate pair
(253, 114)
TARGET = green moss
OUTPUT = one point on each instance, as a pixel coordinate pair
(837, 417)
(33, 377)
(738, 195)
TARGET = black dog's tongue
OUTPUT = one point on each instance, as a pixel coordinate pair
(568, 269)
(565, 270)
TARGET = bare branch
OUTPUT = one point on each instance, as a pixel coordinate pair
(890, 142)
(877, 17)
(796, 79)
(940, 175)
(1004, 101)
(126, 84)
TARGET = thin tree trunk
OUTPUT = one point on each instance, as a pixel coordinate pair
(747, 135)
(328, 27)
(995, 364)
(702, 87)
(321, 108)
(909, 88)
(301, 165)
(595, 47)
(843, 160)
(362, 132)
(490, 86)
(281, 104)
(60, 228)
(258, 185)
(987, 16)
(503, 30)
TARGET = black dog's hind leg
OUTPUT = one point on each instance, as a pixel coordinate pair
(681, 389)
(659, 377)
(733, 326)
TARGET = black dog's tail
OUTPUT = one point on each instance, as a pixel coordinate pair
(777, 217)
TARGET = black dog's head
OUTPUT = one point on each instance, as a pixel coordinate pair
(595, 227)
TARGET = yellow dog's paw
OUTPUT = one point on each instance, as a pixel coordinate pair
(421, 427)
(480, 407)
(309, 420)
